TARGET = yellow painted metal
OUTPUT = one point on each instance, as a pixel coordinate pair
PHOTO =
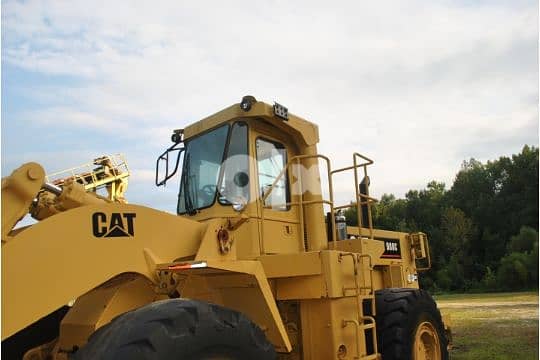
(314, 214)
(303, 131)
(292, 265)
(73, 195)
(427, 345)
(279, 231)
(97, 307)
(311, 293)
(109, 172)
(313, 222)
(328, 325)
(420, 247)
(62, 250)
(250, 294)
(18, 192)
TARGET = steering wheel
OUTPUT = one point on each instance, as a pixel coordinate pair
(208, 191)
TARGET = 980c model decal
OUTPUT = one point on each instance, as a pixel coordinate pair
(118, 225)
(392, 250)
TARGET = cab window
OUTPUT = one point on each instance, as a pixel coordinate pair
(202, 163)
(271, 159)
(234, 186)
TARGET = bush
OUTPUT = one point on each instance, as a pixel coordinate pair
(524, 241)
(512, 273)
(443, 279)
(489, 280)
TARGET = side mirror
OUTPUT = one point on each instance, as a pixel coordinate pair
(167, 164)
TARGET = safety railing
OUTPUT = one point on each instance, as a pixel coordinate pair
(107, 171)
(361, 199)
(301, 203)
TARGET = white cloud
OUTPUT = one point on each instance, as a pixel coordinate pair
(413, 84)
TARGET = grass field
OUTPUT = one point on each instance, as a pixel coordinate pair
(492, 326)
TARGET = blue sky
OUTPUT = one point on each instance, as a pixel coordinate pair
(418, 86)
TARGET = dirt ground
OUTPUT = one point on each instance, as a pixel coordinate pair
(492, 326)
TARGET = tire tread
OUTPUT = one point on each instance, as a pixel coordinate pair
(179, 328)
(397, 309)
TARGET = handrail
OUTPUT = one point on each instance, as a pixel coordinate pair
(368, 162)
(357, 191)
(360, 199)
(296, 159)
(109, 172)
(359, 161)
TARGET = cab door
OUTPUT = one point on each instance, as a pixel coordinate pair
(279, 223)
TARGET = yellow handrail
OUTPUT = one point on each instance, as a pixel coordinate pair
(301, 203)
(361, 199)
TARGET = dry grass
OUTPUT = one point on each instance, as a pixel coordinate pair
(492, 326)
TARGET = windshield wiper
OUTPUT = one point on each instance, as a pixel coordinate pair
(188, 201)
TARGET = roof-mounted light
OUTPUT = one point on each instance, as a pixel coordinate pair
(247, 102)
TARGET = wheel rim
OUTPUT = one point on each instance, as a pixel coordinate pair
(426, 343)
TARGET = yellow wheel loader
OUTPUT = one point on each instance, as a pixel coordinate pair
(258, 263)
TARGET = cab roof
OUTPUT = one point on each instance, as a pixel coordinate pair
(301, 129)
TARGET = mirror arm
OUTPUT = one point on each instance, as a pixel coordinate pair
(165, 157)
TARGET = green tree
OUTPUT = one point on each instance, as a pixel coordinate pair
(524, 241)
(499, 197)
(483, 231)
(457, 230)
(389, 213)
(512, 273)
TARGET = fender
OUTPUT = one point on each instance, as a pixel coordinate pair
(241, 285)
(99, 306)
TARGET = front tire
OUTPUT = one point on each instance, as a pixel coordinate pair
(409, 326)
(178, 329)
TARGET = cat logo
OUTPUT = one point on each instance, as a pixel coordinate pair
(119, 225)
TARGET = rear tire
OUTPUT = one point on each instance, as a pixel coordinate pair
(178, 329)
(409, 325)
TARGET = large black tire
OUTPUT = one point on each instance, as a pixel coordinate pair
(178, 329)
(408, 319)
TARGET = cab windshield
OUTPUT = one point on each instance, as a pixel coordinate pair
(211, 158)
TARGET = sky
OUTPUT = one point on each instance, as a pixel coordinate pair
(418, 86)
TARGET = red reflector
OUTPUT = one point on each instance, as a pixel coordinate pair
(185, 266)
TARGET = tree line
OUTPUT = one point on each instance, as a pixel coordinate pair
(483, 231)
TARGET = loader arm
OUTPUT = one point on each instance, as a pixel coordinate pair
(18, 191)
(56, 260)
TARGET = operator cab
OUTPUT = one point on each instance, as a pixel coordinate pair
(235, 163)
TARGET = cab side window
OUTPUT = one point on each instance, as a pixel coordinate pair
(235, 178)
(271, 159)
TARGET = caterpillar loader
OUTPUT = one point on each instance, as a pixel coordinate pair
(258, 262)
